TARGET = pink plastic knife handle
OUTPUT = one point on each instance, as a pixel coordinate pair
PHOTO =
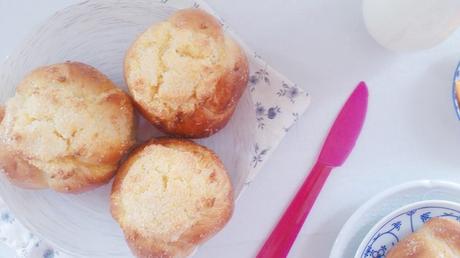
(283, 236)
(337, 146)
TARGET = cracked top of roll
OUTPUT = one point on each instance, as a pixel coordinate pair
(186, 75)
(169, 196)
(66, 128)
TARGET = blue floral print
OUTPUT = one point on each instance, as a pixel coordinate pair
(262, 113)
(260, 75)
(6, 217)
(291, 92)
(258, 155)
(49, 253)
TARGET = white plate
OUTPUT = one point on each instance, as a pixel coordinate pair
(99, 32)
(402, 222)
(361, 222)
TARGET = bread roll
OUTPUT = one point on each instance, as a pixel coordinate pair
(185, 75)
(169, 196)
(437, 238)
(66, 129)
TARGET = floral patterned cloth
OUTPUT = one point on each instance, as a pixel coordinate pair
(17, 237)
(278, 103)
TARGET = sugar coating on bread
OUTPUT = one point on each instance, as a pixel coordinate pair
(437, 238)
(170, 196)
(181, 68)
(186, 68)
(67, 127)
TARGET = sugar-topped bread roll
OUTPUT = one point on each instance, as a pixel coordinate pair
(186, 75)
(66, 129)
(437, 238)
(169, 196)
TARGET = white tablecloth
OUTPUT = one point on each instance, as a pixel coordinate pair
(411, 131)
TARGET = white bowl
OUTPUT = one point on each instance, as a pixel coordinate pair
(370, 213)
(402, 222)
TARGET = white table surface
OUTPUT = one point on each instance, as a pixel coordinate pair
(411, 131)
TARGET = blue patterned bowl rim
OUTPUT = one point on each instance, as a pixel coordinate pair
(448, 205)
(454, 91)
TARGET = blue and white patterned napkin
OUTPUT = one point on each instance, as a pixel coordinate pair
(19, 238)
(278, 103)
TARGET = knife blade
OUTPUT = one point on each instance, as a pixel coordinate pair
(346, 128)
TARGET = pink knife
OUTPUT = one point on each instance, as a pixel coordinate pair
(338, 145)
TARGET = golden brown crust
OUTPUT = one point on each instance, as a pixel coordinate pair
(197, 20)
(437, 238)
(66, 129)
(19, 171)
(199, 114)
(211, 220)
(31, 177)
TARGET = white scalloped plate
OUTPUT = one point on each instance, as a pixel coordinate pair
(99, 32)
(361, 222)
